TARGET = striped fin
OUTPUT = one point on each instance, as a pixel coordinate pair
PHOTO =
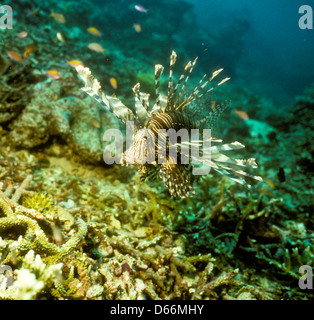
(230, 167)
(219, 84)
(158, 72)
(177, 179)
(149, 172)
(199, 84)
(199, 87)
(181, 92)
(196, 93)
(145, 100)
(169, 104)
(92, 87)
(211, 120)
(186, 69)
(141, 104)
(231, 171)
(247, 163)
(234, 174)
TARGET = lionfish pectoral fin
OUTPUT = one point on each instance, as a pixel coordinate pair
(233, 168)
(228, 166)
(92, 87)
(241, 177)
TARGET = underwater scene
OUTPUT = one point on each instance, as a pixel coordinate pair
(156, 150)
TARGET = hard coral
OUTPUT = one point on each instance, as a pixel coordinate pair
(36, 273)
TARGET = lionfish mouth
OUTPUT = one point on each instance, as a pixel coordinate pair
(155, 148)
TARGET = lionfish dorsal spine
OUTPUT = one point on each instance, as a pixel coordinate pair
(141, 105)
(170, 95)
(218, 84)
(190, 66)
(186, 69)
(158, 72)
(92, 88)
(198, 91)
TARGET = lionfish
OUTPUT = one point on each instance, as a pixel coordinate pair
(175, 110)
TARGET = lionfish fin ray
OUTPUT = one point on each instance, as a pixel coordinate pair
(169, 105)
(177, 179)
(141, 105)
(190, 67)
(158, 72)
(92, 88)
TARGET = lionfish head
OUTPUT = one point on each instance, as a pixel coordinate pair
(142, 150)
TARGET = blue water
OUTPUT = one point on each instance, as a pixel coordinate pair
(276, 53)
(258, 42)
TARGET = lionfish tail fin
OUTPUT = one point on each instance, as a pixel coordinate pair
(92, 87)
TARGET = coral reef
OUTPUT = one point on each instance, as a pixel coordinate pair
(73, 228)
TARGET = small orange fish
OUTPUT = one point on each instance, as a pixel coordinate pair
(94, 31)
(96, 47)
(27, 52)
(137, 27)
(53, 74)
(243, 115)
(114, 83)
(58, 17)
(15, 56)
(22, 35)
(75, 63)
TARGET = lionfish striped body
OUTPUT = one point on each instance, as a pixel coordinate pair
(176, 176)
(175, 111)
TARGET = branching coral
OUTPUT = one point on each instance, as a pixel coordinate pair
(33, 277)
(35, 238)
(39, 271)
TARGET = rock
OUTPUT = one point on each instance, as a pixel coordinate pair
(79, 122)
